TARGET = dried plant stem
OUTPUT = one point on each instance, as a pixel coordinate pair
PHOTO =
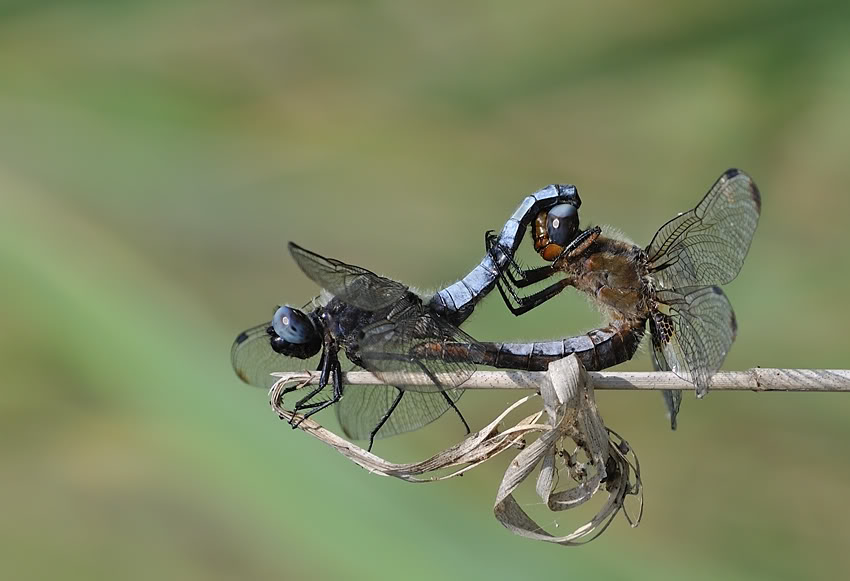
(756, 379)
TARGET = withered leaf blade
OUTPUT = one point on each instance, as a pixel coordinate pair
(572, 417)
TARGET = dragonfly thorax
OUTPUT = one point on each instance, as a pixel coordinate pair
(612, 272)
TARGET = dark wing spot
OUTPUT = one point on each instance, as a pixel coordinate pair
(733, 322)
(756, 195)
(731, 173)
(754, 191)
(241, 338)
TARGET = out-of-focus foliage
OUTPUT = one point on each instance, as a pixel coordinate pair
(156, 156)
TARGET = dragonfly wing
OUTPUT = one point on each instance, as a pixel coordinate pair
(707, 245)
(672, 397)
(254, 360)
(692, 332)
(364, 406)
(352, 284)
(408, 343)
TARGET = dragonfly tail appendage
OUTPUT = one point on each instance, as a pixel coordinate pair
(457, 301)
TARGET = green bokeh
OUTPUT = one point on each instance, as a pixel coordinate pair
(155, 158)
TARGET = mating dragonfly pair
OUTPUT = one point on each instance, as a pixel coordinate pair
(381, 325)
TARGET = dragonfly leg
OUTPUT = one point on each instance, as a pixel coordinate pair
(513, 277)
(525, 304)
(457, 411)
(580, 244)
(311, 405)
(334, 367)
(536, 275)
(513, 271)
(325, 368)
(384, 419)
(509, 279)
(449, 401)
(301, 404)
(289, 390)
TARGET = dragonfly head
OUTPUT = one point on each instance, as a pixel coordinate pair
(554, 229)
(294, 333)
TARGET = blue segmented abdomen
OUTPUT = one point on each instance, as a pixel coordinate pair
(458, 300)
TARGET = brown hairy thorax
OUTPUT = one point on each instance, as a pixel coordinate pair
(610, 271)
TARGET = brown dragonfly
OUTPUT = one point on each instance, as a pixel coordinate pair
(672, 284)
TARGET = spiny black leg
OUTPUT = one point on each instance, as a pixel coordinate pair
(520, 277)
(457, 411)
(504, 295)
(431, 376)
(525, 304)
(384, 419)
(311, 405)
(510, 281)
(337, 393)
(508, 270)
(581, 239)
(293, 388)
(538, 298)
(513, 273)
(512, 284)
(534, 275)
(289, 390)
(511, 265)
(315, 407)
(327, 364)
(436, 382)
(323, 380)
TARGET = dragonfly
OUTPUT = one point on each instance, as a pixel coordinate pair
(383, 326)
(673, 284)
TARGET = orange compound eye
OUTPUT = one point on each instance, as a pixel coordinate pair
(539, 233)
(551, 252)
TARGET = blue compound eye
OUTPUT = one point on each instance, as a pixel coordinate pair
(293, 325)
(562, 224)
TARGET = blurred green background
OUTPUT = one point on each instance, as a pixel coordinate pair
(155, 158)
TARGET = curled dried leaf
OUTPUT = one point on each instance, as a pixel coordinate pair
(612, 466)
(572, 418)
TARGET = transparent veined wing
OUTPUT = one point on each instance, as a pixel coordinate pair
(672, 397)
(707, 245)
(408, 343)
(363, 406)
(692, 332)
(254, 360)
(354, 285)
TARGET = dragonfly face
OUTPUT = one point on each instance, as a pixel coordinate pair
(293, 333)
(554, 230)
